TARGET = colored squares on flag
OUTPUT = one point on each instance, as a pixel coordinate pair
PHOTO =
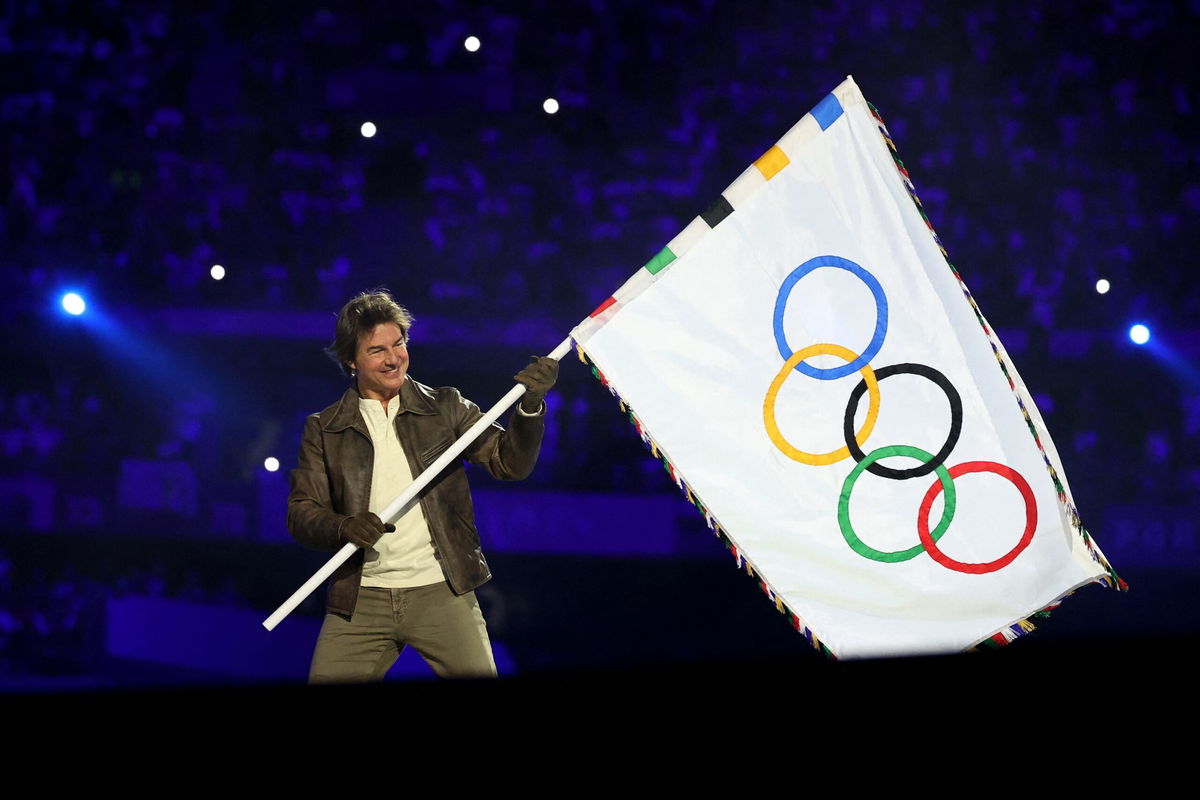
(718, 210)
(771, 162)
(660, 261)
(827, 111)
(600, 309)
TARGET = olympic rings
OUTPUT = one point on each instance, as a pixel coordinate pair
(854, 441)
(930, 541)
(956, 419)
(894, 557)
(869, 383)
(881, 316)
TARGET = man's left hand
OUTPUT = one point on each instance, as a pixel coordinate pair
(537, 378)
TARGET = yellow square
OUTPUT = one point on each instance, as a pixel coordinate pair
(771, 162)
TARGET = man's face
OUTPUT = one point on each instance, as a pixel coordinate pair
(381, 362)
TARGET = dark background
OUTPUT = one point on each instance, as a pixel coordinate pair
(141, 537)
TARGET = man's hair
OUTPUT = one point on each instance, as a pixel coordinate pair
(359, 317)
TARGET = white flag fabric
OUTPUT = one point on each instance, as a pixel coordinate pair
(823, 386)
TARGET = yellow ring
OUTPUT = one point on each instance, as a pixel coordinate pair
(820, 459)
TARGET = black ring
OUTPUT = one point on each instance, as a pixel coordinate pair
(940, 457)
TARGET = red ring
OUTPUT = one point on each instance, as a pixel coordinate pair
(990, 566)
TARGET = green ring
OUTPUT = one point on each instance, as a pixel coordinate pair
(865, 550)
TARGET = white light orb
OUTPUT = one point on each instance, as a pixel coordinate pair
(368, 129)
(217, 272)
(471, 43)
(73, 304)
(550, 106)
(1102, 286)
(271, 464)
(1139, 334)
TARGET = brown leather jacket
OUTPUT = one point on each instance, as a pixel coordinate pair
(332, 479)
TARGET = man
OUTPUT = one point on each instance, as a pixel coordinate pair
(412, 586)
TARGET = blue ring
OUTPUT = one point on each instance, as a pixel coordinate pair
(881, 316)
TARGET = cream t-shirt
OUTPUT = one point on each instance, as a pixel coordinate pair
(405, 557)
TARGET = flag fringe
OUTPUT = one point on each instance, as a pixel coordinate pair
(794, 619)
(1111, 579)
(1021, 627)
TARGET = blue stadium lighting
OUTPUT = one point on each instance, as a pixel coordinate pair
(73, 304)
(1139, 334)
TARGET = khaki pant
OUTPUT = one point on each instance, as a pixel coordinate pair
(446, 629)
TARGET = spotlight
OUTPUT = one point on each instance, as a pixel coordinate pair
(217, 272)
(368, 129)
(271, 464)
(471, 43)
(1102, 286)
(73, 304)
(1139, 334)
(550, 106)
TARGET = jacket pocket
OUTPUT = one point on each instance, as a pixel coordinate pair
(431, 453)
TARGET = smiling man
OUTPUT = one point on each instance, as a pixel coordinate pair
(411, 583)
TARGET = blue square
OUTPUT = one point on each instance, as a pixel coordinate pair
(827, 111)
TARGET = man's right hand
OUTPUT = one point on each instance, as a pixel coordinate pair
(364, 529)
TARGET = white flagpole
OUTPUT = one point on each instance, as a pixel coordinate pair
(402, 503)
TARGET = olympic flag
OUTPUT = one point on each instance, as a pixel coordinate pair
(823, 386)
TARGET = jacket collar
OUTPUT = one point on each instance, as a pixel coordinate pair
(415, 398)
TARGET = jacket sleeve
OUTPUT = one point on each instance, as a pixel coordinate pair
(311, 519)
(508, 455)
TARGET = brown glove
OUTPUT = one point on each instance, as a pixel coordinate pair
(364, 529)
(538, 378)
